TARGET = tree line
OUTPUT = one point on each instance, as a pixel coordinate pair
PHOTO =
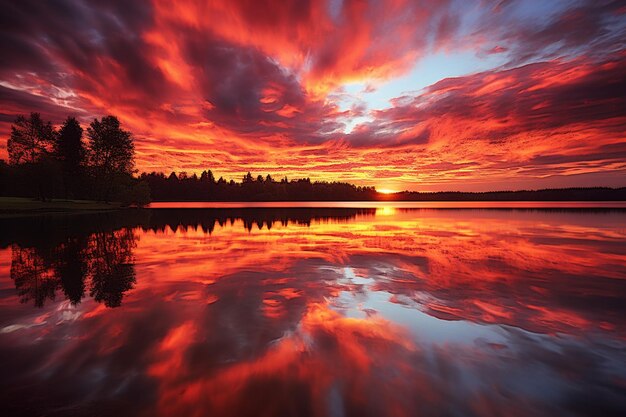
(554, 194)
(47, 163)
(183, 187)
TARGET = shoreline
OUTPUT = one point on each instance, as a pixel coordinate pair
(14, 206)
(18, 206)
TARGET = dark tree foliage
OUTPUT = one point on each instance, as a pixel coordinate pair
(557, 194)
(111, 265)
(111, 148)
(47, 164)
(33, 276)
(101, 262)
(251, 218)
(111, 154)
(182, 187)
(71, 267)
(71, 153)
(30, 149)
(31, 139)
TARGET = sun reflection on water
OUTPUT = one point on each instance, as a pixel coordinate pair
(385, 211)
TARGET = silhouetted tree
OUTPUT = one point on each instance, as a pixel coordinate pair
(111, 265)
(70, 268)
(31, 139)
(101, 261)
(183, 187)
(207, 177)
(29, 147)
(111, 153)
(47, 164)
(70, 151)
(33, 276)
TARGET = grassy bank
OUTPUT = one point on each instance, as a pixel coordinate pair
(18, 205)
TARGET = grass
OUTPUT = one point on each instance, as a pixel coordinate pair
(15, 205)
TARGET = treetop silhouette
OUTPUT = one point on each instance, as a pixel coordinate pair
(46, 163)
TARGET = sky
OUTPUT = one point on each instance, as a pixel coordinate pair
(397, 94)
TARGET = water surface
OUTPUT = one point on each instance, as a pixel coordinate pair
(392, 204)
(356, 311)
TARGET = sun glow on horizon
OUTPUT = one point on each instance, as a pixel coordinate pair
(385, 191)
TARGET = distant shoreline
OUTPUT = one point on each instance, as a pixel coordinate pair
(385, 205)
(555, 198)
(545, 195)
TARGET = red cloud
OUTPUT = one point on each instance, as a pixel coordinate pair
(541, 119)
(251, 85)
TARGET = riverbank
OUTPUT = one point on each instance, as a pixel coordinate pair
(19, 205)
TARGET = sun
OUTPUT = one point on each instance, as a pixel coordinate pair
(385, 191)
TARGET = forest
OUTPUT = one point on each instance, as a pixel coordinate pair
(46, 163)
(182, 187)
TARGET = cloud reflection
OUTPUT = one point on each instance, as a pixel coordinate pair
(354, 313)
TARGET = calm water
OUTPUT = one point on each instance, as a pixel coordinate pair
(395, 204)
(314, 311)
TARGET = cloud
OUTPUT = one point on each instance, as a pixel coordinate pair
(589, 28)
(544, 95)
(330, 42)
(259, 85)
(501, 296)
(550, 117)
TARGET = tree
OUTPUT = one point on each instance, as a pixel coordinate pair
(112, 266)
(70, 152)
(29, 148)
(31, 139)
(71, 267)
(111, 148)
(207, 177)
(33, 277)
(101, 262)
(111, 153)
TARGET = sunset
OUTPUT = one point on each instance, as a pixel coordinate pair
(423, 96)
(333, 208)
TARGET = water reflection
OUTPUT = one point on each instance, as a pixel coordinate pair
(318, 312)
(100, 263)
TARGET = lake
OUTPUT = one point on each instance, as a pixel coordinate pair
(351, 310)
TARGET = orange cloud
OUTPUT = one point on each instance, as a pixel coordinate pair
(257, 86)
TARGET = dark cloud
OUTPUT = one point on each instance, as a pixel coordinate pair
(19, 102)
(591, 28)
(252, 94)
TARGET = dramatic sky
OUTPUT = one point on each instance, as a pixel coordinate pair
(399, 94)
